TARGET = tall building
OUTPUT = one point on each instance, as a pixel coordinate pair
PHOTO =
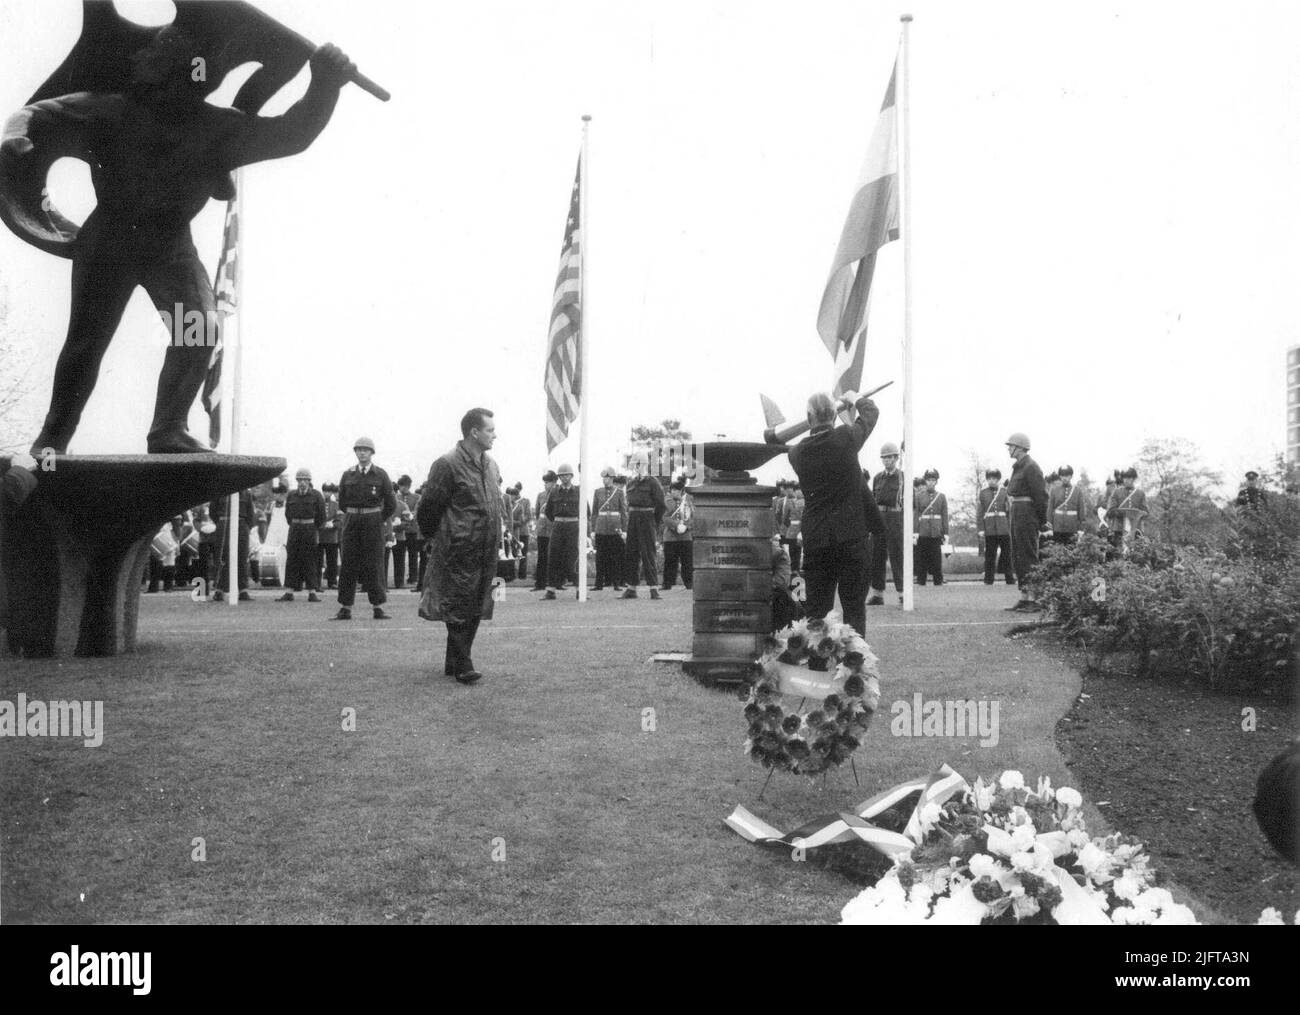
(1293, 405)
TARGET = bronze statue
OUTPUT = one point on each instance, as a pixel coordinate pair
(130, 101)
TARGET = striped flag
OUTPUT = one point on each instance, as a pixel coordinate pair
(872, 222)
(563, 380)
(225, 290)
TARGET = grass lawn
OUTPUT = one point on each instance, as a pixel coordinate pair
(226, 725)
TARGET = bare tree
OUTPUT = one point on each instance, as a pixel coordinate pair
(15, 384)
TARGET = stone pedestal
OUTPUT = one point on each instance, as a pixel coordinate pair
(75, 554)
(732, 529)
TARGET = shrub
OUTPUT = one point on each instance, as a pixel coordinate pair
(1229, 618)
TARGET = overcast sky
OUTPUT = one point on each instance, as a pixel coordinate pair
(1105, 236)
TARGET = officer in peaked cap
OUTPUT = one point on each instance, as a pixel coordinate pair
(543, 531)
(931, 528)
(1251, 495)
(1027, 493)
(367, 500)
(1067, 508)
(994, 528)
(609, 522)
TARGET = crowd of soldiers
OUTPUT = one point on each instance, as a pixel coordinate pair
(337, 536)
(334, 536)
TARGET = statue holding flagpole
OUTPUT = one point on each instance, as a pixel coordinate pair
(130, 101)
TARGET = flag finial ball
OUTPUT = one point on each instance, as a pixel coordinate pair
(586, 117)
(905, 17)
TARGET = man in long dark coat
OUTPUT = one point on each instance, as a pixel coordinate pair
(460, 511)
(835, 517)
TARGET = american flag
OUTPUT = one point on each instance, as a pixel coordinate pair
(563, 381)
(225, 290)
(872, 222)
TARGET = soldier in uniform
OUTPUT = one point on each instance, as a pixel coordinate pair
(994, 528)
(1103, 504)
(609, 522)
(1027, 492)
(304, 510)
(544, 526)
(409, 542)
(1251, 496)
(931, 528)
(366, 497)
(1067, 508)
(402, 517)
(562, 507)
(329, 536)
(645, 513)
(887, 490)
(794, 527)
(677, 539)
(1126, 510)
(521, 514)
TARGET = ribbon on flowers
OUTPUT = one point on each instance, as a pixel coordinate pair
(841, 827)
(1077, 908)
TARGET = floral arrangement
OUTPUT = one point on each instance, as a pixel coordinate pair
(832, 729)
(1002, 853)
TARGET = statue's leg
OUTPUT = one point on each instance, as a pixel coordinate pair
(102, 280)
(179, 279)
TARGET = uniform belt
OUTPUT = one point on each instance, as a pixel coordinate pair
(363, 511)
(640, 509)
(611, 512)
(1060, 512)
(995, 514)
(573, 519)
(302, 521)
(932, 516)
(1025, 500)
(893, 510)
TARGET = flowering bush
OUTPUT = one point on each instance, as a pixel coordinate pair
(1003, 853)
(1229, 620)
(826, 735)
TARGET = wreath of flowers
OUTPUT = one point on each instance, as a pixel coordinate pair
(1002, 853)
(827, 735)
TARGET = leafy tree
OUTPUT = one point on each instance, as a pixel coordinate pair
(665, 430)
(1180, 494)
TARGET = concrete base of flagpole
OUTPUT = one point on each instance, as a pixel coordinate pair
(74, 555)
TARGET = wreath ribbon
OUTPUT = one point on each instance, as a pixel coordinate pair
(841, 827)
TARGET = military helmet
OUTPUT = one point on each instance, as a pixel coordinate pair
(1065, 470)
(608, 470)
(564, 470)
(549, 477)
(364, 442)
(1252, 474)
(303, 474)
(888, 448)
(1018, 439)
(931, 474)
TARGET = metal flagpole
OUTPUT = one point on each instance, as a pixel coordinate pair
(584, 339)
(905, 227)
(232, 511)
